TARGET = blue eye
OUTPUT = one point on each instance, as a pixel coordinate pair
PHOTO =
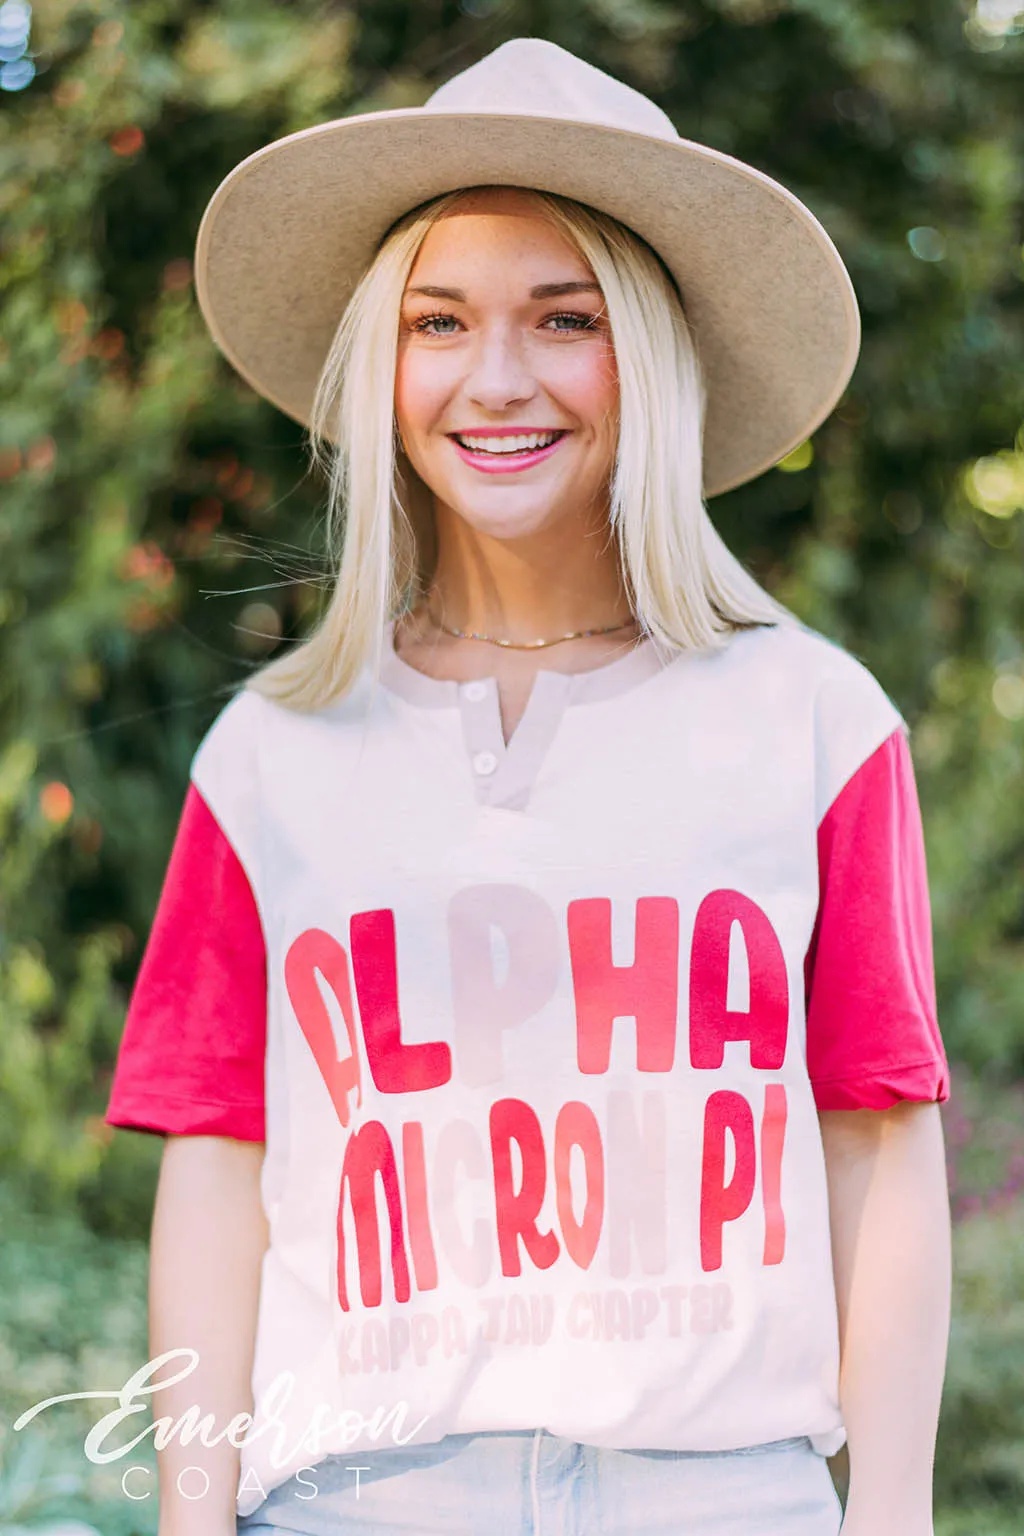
(445, 325)
(574, 322)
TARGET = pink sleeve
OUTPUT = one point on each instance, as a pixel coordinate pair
(191, 1060)
(872, 1033)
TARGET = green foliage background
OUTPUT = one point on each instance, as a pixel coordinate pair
(159, 530)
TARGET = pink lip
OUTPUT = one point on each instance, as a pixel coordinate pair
(510, 463)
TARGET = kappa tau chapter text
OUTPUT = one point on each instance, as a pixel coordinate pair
(647, 991)
(517, 1322)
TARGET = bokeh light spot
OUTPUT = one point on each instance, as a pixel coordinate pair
(800, 457)
(1008, 695)
(16, 74)
(259, 627)
(16, 69)
(127, 141)
(995, 484)
(1000, 18)
(926, 243)
(56, 802)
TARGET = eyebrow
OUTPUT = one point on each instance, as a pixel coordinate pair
(542, 291)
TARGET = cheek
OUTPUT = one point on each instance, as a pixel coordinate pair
(587, 382)
(422, 390)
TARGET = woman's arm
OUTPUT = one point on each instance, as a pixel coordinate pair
(889, 1211)
(208, 1240)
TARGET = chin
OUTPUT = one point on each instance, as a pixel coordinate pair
(512, 522)
(510, 511)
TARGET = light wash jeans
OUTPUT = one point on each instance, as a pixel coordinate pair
(532, 1483)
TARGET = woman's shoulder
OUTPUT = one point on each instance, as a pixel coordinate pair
(844, 707)
(251, 716)
(231, 737)
(811, 662)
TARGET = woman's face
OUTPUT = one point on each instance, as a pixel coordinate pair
(506, 393)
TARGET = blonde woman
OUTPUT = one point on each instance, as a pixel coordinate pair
(539, 1009)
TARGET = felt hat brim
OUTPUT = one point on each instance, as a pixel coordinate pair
(291, 229)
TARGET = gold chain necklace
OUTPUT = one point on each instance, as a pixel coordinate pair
(526, 645)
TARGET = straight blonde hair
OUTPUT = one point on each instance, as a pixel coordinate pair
(684, 585)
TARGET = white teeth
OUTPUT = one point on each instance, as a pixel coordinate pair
(527, 443)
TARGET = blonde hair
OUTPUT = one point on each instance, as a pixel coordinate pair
(684, 585)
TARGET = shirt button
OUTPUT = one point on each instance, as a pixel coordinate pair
(485, 762)
(474, 692)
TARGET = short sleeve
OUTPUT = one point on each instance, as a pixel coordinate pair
(872, 1032)
(192, 1054)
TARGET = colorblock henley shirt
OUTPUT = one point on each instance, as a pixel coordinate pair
(536, 1036)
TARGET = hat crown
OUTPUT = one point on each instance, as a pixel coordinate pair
(532, 77)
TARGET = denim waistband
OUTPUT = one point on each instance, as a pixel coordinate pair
(530, 1482)
(791, 1443)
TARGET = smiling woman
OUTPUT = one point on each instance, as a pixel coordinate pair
(550, 989)
(605, 518)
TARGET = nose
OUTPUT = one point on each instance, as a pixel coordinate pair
(499, 376)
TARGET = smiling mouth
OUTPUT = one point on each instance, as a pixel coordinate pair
(524, 442)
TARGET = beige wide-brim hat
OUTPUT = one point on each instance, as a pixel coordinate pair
(288, 233)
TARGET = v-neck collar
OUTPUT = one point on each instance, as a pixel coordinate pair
(503, 773)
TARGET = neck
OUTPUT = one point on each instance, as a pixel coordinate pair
(556, 581)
